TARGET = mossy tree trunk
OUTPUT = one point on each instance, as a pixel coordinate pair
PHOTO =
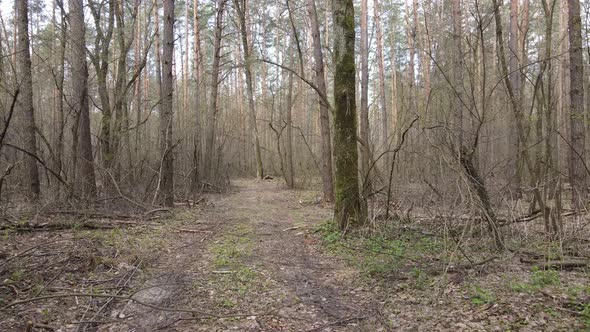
(347, 208)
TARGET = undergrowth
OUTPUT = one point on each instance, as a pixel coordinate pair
(381, 253)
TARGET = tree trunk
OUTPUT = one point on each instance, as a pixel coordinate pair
(458, 118)
(327, 182)
(290, 177)
(120, 132)
(137, 92)
(157, 49)
(515, 77)
(83, 158)
(514, 105)
(199, 100)
(394, 91)
(101, 61)
(382, 99)
(59, 91)
(166, 192)
(577, 154)
(26, 100)
(212, 113)
(348, 211)
(241, 11)
(364, 116)
(412, 108)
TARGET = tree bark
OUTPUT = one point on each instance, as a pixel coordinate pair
(166, 193)
(26, 100)
(327, 181)
(348, 211)
(241, 11)
(514, 105)
(199, 100)
(458, 118)
(289, 139)
(515, 77)
(212, 113)
(85, 181)
(577, 154)
(364, 114)
(101, 61)
(382, 99)
(59, 91)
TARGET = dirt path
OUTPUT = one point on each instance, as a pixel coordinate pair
(252, 268)
(250, 260)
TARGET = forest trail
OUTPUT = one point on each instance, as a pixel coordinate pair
(250, 264)
(262, 258)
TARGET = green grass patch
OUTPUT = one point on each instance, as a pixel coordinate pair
(542, 278)
(380, 253)
(481, 296)
(229, 254)
(233, 248)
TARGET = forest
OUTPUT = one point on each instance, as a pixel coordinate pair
(296, 165)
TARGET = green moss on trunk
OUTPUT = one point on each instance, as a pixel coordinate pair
(347, 208)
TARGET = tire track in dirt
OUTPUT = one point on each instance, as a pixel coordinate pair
(293, 287)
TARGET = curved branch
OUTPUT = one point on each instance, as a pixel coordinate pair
(308, 82)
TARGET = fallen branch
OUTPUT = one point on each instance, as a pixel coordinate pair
(292, 228)
(93, 214)
(204, 314)
(529, 217)
(26, 227)
(33, 248)
(157, 210)
(563, 265)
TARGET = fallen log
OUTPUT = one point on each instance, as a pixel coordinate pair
(47, 226)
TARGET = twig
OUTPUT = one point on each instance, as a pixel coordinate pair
(108, 296)
(93, 214)
(292, 228)
(33, 248)
(156, 210)
(186, 230)
(123, 282)
(392, 166)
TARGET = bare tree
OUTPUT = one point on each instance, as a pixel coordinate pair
(199, 96)
(514, 143)
(364, 113)
(240, 6)
(26, 99)
(59, 87)
(382, 99)
(327, 182)
(458, 116)
(212, 113)
(577, 155)
(101, 60)
(166, 190)
(83, 157)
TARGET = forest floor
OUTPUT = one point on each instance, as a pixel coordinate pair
(264, 258)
